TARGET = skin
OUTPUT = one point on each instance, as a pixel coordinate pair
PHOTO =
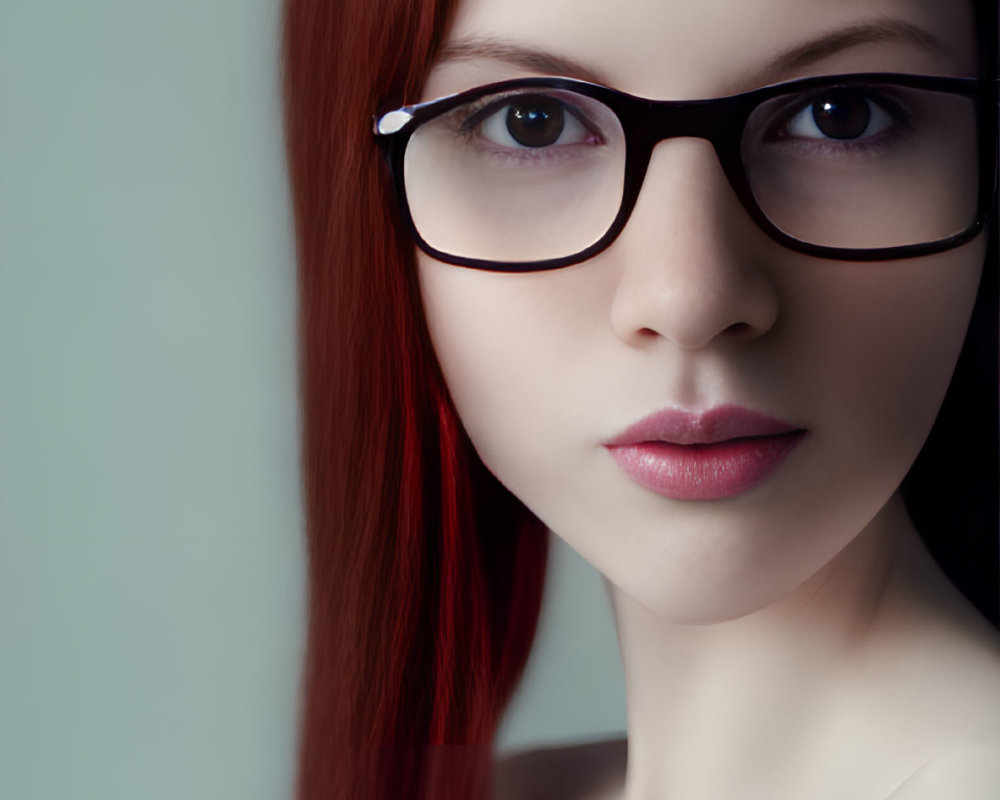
(794, 640)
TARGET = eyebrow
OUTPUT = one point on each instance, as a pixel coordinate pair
(881, 30)
(476, 48)
(537, 60)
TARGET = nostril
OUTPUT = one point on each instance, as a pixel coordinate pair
(738, 329)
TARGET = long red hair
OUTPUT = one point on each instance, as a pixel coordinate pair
(425, 575)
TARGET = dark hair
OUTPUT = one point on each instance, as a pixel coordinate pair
(425, 574)
(951, 490)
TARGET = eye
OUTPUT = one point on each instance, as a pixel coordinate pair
(533, 121)
(841, 114)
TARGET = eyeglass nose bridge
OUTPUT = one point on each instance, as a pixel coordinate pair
(702, 119)
(721, 122)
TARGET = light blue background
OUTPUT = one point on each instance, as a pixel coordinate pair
(151, 552)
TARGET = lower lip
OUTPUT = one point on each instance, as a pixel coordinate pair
(704, 471)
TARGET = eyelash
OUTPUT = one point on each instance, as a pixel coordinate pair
(901, 120)
(478, 112)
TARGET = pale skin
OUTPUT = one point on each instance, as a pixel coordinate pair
(794, 641)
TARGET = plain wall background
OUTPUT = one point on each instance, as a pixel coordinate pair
(151, 555)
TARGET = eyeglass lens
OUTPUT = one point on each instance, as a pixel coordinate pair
(536, 174)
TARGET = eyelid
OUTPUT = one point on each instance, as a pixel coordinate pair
(795, 104)
(485, 107)
(478, 110)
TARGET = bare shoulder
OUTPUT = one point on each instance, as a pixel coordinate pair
(941, 674)
(591, 771)
(967, 771)
(962, 701)
(959, 684)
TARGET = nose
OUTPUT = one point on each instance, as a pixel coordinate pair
(691, 261)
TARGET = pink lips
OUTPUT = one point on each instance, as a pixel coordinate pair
(717, 454)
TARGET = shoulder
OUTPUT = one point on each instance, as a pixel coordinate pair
(967, 771)
(591, 771)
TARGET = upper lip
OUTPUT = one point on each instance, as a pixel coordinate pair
(718, 424)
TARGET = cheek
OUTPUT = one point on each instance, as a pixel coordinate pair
(511, 348)
(884, 342)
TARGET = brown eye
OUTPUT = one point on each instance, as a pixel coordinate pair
(842, 115)
(532, 122)
(838, 115)
(535, 122)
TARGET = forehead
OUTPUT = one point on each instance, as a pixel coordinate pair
(682, 49)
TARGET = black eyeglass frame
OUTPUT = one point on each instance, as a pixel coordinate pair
(722, 121)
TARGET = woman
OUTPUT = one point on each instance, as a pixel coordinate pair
(703, 343)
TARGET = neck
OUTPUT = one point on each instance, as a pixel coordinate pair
(716, 709)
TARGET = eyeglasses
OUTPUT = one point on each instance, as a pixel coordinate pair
(540, 173)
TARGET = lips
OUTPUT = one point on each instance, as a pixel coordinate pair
(720, 453)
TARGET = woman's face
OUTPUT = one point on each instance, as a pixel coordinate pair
(693, 309)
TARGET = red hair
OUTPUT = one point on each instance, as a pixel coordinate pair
(425, 575)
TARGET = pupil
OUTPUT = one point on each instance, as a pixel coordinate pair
(842, 115)
(537, 123)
